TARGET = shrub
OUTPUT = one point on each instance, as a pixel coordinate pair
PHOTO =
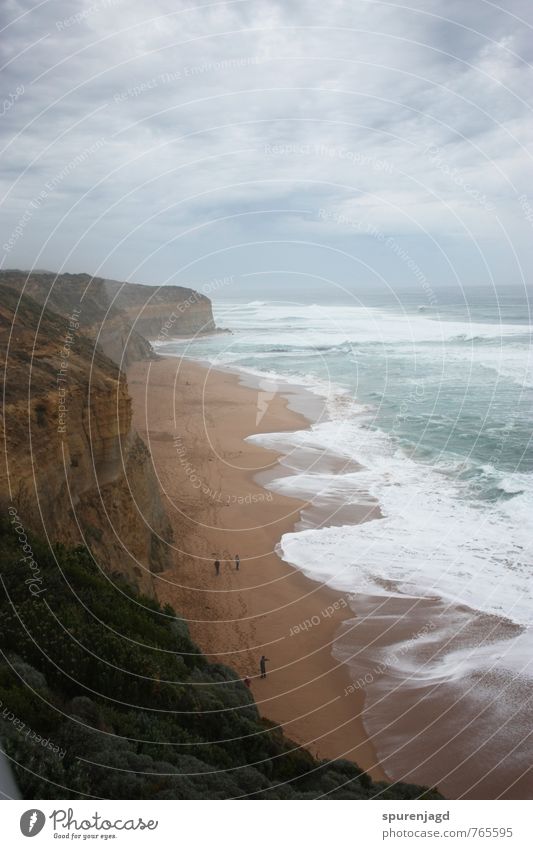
(136, 711)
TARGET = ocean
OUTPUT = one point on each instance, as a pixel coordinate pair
(424, 418)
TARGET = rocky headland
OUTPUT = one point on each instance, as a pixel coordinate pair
(73, 464)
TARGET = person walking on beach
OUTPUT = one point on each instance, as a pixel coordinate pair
(217, 567)
(237, 562)
(262, 666)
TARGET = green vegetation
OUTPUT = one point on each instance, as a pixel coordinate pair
(103, 693)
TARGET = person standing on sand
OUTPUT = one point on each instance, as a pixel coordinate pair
(237, 562)
(217, 567)
(262, 666)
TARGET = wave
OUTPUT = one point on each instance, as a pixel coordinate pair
(359, 324)
(432, 540)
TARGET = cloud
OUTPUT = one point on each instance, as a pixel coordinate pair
(414, 120)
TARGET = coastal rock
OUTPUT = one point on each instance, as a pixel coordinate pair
(74, 466)
(120, 317)
(161, 312)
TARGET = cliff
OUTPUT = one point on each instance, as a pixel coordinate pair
(73, 465)
(119, 317)
(160, 312)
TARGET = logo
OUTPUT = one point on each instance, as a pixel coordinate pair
(32, 822)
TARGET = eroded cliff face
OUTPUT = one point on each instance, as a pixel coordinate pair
(75, 467)
(159, 312)
(120, 317)
(87, 296)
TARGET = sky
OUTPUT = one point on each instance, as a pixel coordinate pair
(256, 145)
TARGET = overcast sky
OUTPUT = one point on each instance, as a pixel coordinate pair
(363, 142)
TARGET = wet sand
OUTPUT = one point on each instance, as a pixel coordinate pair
(440, 705)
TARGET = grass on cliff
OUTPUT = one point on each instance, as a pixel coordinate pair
(103, 694)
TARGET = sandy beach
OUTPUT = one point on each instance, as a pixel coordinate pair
(334, 660)
(195, 421)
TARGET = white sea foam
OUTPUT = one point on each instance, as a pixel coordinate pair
(313, 331)
(325, 324)
(431, 540)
